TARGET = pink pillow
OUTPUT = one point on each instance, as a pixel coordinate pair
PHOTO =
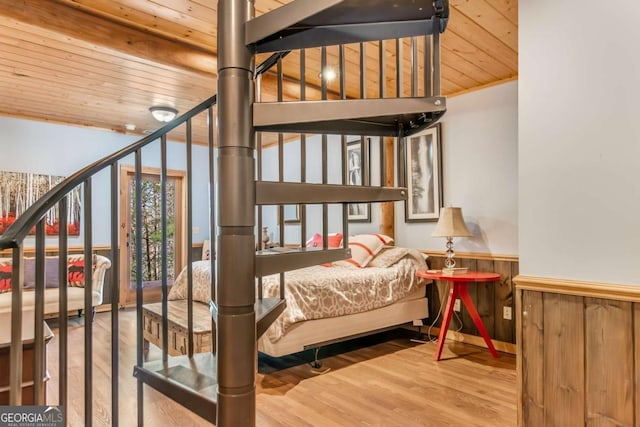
(334, 240)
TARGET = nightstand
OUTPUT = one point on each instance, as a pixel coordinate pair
(458, 289)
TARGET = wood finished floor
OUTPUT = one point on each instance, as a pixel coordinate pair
(385, 380)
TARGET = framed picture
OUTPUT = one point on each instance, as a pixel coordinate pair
(423, 175)
(358, 174)
(19, 190)
(291, 214)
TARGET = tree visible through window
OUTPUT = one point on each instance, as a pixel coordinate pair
(152, 251)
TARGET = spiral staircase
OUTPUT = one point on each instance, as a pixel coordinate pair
(220, 386)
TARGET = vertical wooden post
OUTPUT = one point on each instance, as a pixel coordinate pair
(387, 210)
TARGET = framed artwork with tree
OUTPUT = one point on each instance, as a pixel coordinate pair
(423, 175)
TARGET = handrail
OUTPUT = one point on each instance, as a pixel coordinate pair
(25, 222)
(16, 233)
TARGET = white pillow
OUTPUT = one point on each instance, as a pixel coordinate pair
(388, 257)
(206, 250)
(364, 247)
(201, 273)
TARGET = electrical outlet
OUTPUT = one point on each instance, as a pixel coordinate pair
(456, 305)
(506, 313)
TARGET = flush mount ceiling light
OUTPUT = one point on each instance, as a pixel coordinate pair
(163, 114)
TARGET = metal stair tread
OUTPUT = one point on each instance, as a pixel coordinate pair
(374, 117)
(189, 381)
(267, 311)
(291, 193)
(313, 23)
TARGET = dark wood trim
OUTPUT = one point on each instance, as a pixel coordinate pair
(474, 255)
(582, 288)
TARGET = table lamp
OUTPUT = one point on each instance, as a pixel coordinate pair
(451, 224)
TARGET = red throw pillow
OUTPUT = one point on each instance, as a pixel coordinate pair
(75, 272)
(5, 277)
(334, 240)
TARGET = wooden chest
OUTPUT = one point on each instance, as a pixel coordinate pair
(28, 356)
(178, 329)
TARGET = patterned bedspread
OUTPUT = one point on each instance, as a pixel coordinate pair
(319, 292)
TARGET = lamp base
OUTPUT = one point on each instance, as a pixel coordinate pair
(449, 261)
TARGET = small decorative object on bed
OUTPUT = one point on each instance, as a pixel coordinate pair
(423, 175)
(450, 225)
(358, 174)
(291, 214)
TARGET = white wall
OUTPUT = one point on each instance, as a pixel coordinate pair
(38, 147)
(480, 173)
(579, 138)
(291, 154)
(480, 160)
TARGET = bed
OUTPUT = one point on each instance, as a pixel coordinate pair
(326, 304)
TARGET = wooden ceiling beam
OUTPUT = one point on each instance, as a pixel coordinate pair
(108, 34)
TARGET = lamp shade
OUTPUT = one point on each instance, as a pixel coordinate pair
(451, 224)
(163, 114)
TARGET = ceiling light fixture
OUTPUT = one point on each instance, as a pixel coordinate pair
(163, 114)
(328, 74)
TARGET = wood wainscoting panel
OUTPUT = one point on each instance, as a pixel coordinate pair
(579, 353)
(468, 327)
(563, 371)
(486, 297)
(109, 283)
(636, 356)
(504, 329)
(532, 340)
(437, 293)
(609, 350)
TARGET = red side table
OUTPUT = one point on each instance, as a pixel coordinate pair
(458, 288)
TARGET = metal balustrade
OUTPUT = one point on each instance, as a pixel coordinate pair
(238, 193)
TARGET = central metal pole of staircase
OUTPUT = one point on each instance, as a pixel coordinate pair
(236, 332)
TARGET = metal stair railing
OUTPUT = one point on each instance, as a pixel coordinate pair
(301, 24)
(34, 219)
(14, 239)
(221, 387)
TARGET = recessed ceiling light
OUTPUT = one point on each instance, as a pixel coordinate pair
(163, 114)
(130, 126)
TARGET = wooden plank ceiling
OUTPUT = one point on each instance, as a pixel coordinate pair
(103, 63)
